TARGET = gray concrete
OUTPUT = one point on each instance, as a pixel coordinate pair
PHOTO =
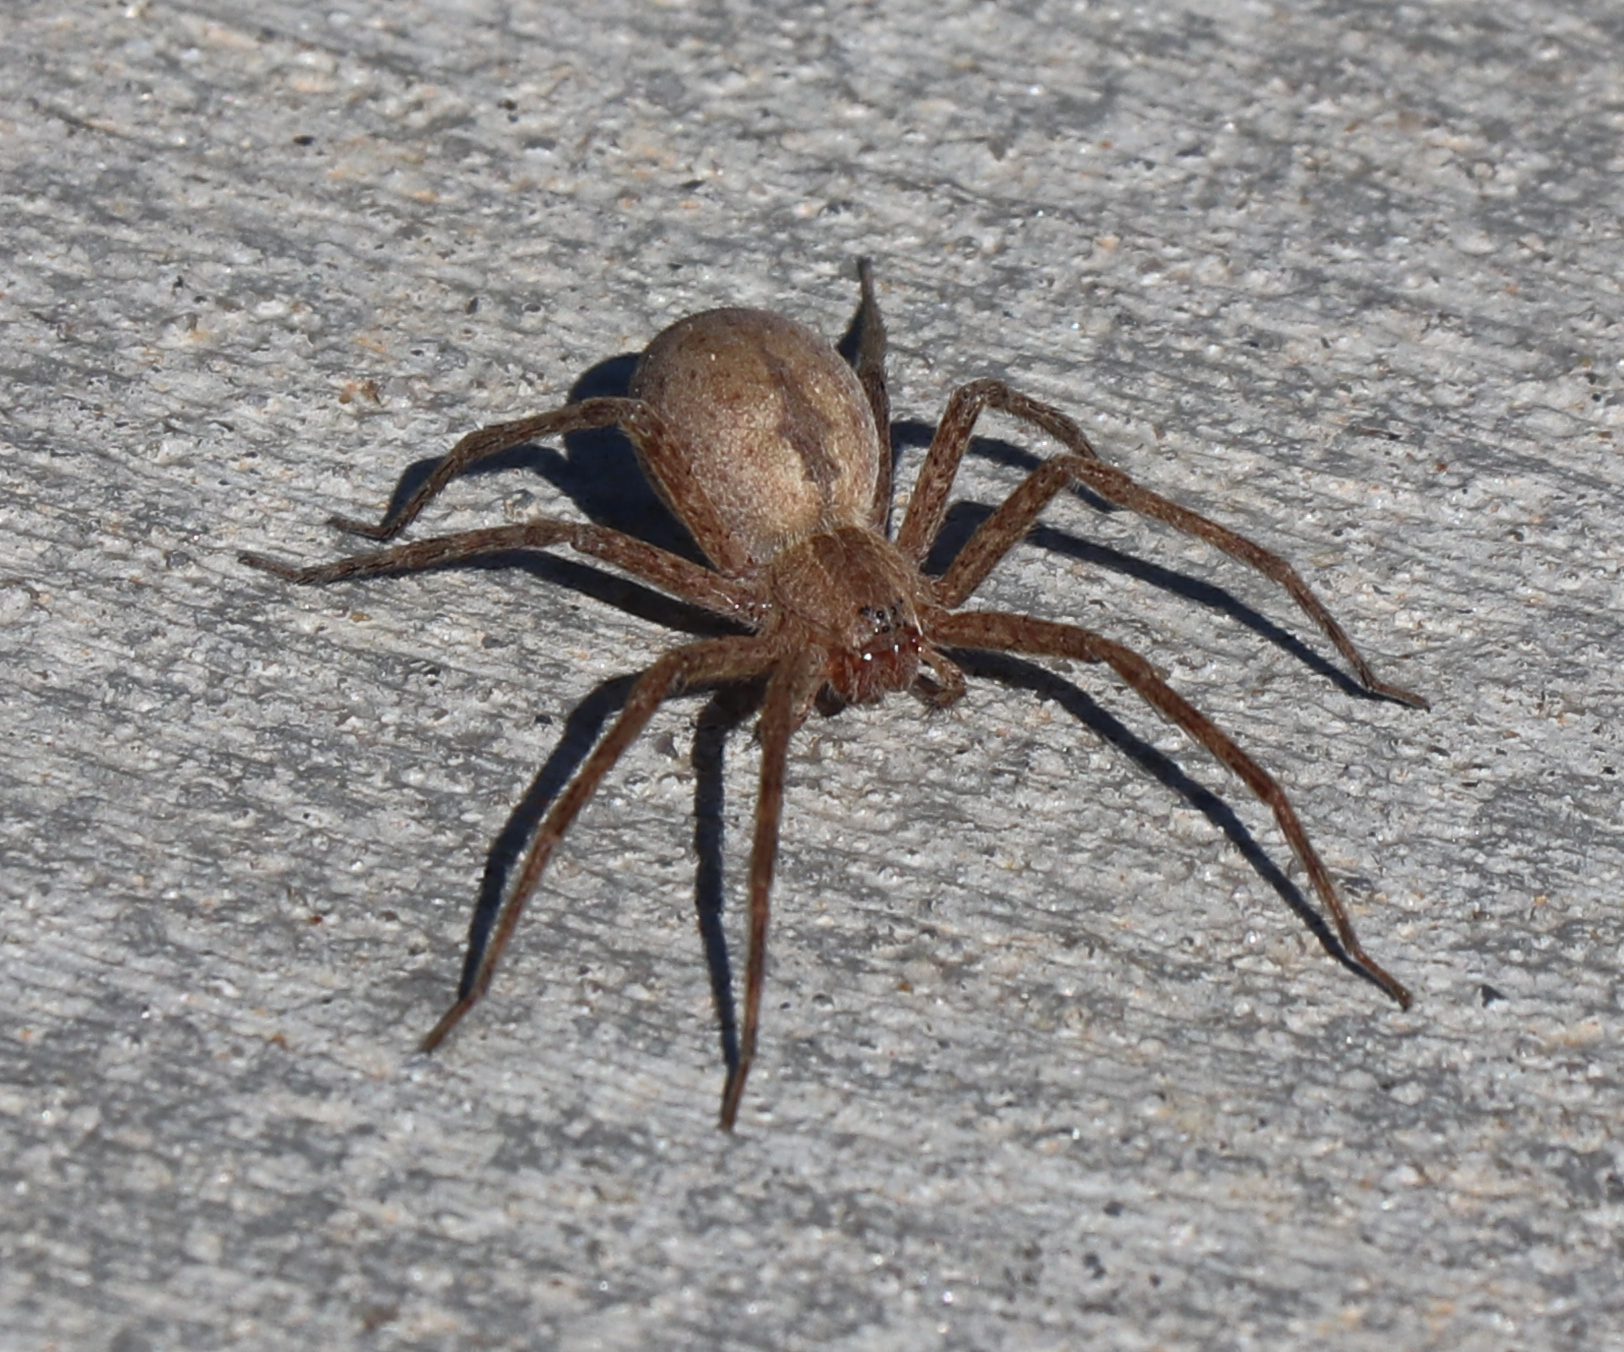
(1049, 1062)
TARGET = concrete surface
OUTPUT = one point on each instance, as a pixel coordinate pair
(1049, 1062)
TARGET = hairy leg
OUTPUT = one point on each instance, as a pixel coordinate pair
(927, 508)
(721, 659)
(659, 454)
(781, 712)
(1002, 632)
(670, 573)
(1009, 523)
(485, 442)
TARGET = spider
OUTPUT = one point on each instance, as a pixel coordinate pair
(775, 453)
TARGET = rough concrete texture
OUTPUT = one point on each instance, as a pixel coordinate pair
(1049, 1060)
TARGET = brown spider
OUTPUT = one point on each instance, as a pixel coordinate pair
(776, 455)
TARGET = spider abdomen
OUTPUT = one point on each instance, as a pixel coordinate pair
(769, 420)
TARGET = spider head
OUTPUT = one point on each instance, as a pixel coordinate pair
(851, 593)
(885, 657)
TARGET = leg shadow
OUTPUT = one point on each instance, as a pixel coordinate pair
(582, 729)
(727, 709)
(1023, 675)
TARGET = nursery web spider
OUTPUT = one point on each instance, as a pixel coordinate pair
(776, 455)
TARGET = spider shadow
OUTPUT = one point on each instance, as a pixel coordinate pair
(964, 518)
(1018, 674)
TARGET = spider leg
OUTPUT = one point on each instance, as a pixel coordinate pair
(999, 532)
(783, 708)
(485, 442)
(669, 572)
(720, 659)
(658, 452)
(927, 508)
(870, 367)
(1003, 632)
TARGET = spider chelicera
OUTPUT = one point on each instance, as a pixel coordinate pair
(776, 455)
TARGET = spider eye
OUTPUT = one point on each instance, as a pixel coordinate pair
(882, 619)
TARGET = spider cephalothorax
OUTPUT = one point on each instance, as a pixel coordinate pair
(851, 595)
(776, 455)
